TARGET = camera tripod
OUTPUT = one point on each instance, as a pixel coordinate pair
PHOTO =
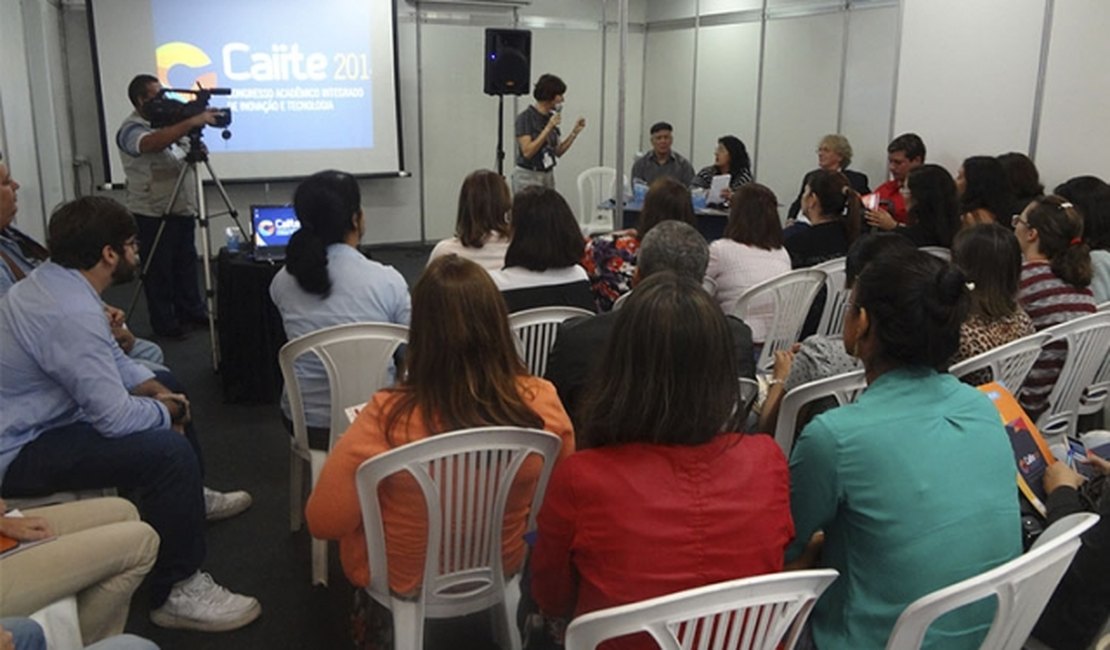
(197, 154)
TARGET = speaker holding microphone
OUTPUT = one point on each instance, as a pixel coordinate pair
(508, 61)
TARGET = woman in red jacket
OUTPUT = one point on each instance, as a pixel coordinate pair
(665, 497)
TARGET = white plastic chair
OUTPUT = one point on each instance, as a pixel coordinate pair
(845, 388)
(60, 624)
(837, 296)
(356, 358)
(595, 185)
(535, 331)
(465, 477)
(749, 391)
(1009, 364)
(747, 614)
(1022, 588)
(792, 293)
(1094, 398)
(1088, 342)
(938, 251)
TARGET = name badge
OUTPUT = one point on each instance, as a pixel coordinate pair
(548, 161)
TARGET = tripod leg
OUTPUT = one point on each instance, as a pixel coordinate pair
(206, 253)
(157, 239)
(231, 211)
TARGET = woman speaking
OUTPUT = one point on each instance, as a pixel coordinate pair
(537, 135)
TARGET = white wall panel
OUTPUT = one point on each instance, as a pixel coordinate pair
(868, 85)
(460, 123)
(801, 87)
(728, 88)
(669, 83)
(1075, 120)
(967, 75)
(634, 94)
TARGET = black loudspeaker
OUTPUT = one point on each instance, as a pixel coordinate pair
(508, 61)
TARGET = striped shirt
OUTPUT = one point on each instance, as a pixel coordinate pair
(1049, 301)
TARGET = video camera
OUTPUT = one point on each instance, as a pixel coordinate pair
(163, 111)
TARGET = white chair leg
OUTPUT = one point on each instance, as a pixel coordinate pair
(319, 562)
(504, 615)
(296, 491)
(408, 624)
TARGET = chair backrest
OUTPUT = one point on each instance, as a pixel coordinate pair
(535, 331)
(836, 297)
(749, 391)
(465, 477)
(594, 186)
(1094, 398)
(844, 388)
(939, 251)
(1022, 588)
(792, 293)
(1088, 342)
(750, 613)
(356, 358)
(1009, 364)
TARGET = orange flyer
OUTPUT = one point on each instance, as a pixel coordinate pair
(1030, 451)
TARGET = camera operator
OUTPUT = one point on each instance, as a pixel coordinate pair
(153, 159)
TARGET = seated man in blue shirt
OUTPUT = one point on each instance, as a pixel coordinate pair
(78, 414)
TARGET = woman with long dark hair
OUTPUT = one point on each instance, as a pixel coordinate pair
(1091, 196)
(327, 281)
(730, 157)
(1054, 285)
(610, 258)
(461, 370)
(990, 257)
(913, 483)
(985, 192)
(834, 214)
(933, 217)
(666, 496)
(481, 223)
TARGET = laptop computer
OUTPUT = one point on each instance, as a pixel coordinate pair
(271, 228)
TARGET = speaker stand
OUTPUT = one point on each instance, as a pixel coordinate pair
(501, 134)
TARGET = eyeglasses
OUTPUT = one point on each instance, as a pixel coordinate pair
(1016, 219)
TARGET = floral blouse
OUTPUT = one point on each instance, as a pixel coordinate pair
(610, 261)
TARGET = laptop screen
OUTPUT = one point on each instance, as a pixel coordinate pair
(273, 225)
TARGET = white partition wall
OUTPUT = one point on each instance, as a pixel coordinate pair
(669, 85)
(967, 75)
(801, 94)
(728, 87)
(1075, 119)
(867, 93)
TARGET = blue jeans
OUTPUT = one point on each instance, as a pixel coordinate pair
(161, 469)
(26, 634)
(172, 294)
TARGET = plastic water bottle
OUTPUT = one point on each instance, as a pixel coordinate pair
(233, 239)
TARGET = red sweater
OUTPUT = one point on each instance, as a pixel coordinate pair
(630, 522)
(892, 191)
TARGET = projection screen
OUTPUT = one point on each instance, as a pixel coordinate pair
(313, 85)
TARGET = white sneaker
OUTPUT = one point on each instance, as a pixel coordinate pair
(222, 505)
(198, 603)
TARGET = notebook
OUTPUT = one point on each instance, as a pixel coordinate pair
(271, 228)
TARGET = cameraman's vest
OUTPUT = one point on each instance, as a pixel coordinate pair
(151, 176)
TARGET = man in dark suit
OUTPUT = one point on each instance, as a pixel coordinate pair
(579, 344)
